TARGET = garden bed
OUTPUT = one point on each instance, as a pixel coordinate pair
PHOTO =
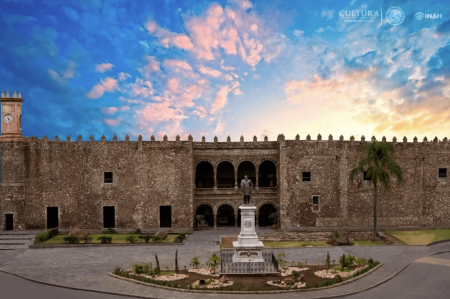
(227, 242)
(247, 283)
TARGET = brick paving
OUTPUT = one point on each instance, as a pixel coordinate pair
(86, 268)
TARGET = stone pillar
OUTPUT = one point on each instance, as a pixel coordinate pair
(257, 181)
(215, 220)
(235, 220)
(215, 177)
(235, 179)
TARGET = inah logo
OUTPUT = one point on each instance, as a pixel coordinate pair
(395, 15)
(419, 15)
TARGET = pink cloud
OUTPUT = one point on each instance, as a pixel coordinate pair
(173, 85)
(220, 100)
(112, 122)
(123, 76)
(167, 38)
(107, 85)
(109, 110)
(141, 88)
(158, 112)
(219, 128)
(200, 111)
(177, 64)
(103, 67)
(151, 66)
(210, 72)
(62, 78)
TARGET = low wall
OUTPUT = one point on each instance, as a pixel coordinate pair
(311, 236)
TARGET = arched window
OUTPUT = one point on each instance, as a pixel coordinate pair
(225, 175)
(246, 168)
(267, 176)
(204, 175)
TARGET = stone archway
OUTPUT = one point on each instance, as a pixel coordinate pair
(246, 168)
(225, 175)
(226, 215)
(263, 214)
(204, 175)
(267, 174)
(208, 212)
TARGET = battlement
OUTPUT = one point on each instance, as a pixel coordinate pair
(14, 96)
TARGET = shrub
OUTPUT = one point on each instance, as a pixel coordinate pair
(42, 237)
(336, 234)
(361, 261)
(109, 230)
(145, 238)
(280, 260)
(307, 285)
(156, 238)
(338, 278)
(370, 261)
(195, 262)
(131, 238)
(137, 231)
(180, 237)
(105, 239)
(300, 265)
(71, 240)
(138, 269)
(117, 271)
(213, 262)
(162, 235)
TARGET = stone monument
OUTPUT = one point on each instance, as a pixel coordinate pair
(248, 248)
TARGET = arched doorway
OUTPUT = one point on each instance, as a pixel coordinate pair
(267, 174)
(264, 213)
(204, 175)
(225, 175)
(225, 215)
(246, 168)
(206, 211)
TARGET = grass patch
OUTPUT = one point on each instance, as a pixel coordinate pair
(421, 237)
(368, 243)
(294, 244)
(116, 239)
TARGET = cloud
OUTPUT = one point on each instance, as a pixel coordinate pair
(220, 100)
(113, 121)
(200, 111)
(107, 85)
(103, 67)
(62, 78)
(141, 88)
(219, 128)
(298, 32)
(327, 14)
(124, 76)
(159, 112)
(167, 38)
(151, 66)
(109, 110)
(177, 65)
(210, 72)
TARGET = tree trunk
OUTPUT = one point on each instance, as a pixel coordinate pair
(157, 264)
(375, 212)
(176, 261)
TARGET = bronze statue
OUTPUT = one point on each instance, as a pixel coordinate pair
(247, 186)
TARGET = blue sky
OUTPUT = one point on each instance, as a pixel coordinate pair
(219, 68)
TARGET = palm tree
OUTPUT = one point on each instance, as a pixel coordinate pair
(378, 160)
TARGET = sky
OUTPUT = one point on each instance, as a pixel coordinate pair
(228, 68)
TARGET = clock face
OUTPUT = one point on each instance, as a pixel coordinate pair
(8, 118)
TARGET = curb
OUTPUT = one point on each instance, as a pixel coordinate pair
(134, 296)
(246, 292)
(82, 245)
(438, 242)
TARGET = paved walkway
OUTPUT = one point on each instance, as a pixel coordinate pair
(86, 268)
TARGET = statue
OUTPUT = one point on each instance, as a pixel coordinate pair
(246, 186)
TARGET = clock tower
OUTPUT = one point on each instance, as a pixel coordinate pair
(11, 117)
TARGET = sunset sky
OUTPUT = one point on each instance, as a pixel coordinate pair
(219, 68)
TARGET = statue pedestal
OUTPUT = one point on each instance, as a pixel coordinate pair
(248, 248)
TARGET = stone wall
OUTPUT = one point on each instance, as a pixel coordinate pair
(312, 236)
(70, 175)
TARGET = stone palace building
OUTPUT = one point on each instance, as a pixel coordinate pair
(151, 184)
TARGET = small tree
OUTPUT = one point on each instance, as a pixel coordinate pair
(213, 262)
(176, 261)
(158, 269)
(194, 262)
(343, 261)
(280, 260)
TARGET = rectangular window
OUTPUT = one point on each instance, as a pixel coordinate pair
(366, 178)
(108, 177)
(315, 200)
(306, 176)
(442, 172)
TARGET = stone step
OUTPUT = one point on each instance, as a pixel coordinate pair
(29, 238)
(9, 244)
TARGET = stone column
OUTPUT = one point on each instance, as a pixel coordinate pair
(215, 177)
(235, 179)
(235, 220)
(215, 220)
(257, 179)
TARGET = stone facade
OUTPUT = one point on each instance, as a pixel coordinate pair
(40, 173)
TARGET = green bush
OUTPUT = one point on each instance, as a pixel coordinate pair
(109, 230)
(336, 234)
(146, 238)
(42, 237)
(138, 269)
(131, 238)
(105, 239)
(117, 271)
(71, 240)
(162, 235)
(179, 238)
(137, 231)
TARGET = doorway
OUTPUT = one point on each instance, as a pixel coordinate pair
(165, 216)
(9, 220)
(52, 217)
(109, 217)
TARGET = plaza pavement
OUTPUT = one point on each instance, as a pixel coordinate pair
(87, 268)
